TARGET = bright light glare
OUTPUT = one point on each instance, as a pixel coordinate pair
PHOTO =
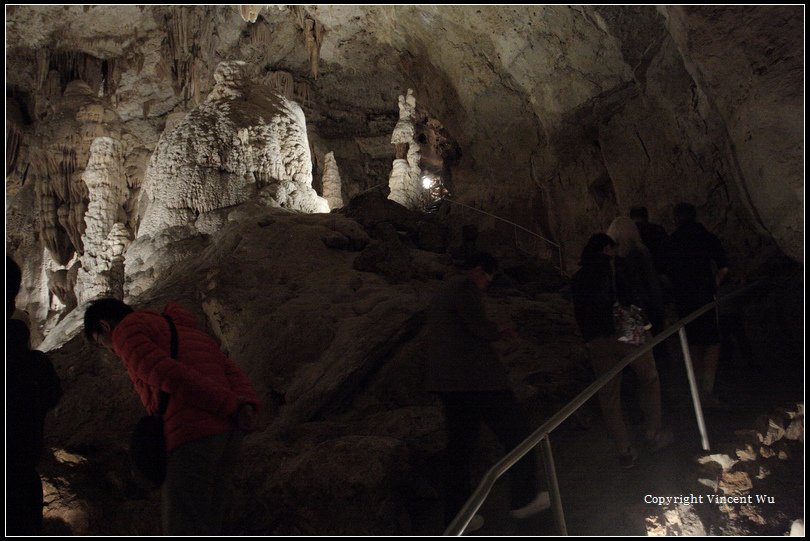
(427, 182)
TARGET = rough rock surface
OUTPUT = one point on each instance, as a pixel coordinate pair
(334, 354)
(766, 496)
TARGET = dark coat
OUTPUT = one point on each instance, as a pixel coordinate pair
(654, 237)
(459, 353)
(593, 292)
(32, 388)
(690, 253)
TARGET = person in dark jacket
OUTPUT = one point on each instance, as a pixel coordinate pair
(211, 405)
(696, 265)
(465, 372)
(32, 389)
(653, 235)
(594, 295)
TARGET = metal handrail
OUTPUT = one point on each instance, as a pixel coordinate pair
(517, 226)
(477, 498)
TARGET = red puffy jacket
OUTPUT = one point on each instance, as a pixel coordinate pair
(205, 387)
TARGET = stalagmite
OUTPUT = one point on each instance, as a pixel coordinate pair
(107, 184)
(331, 182)
(239, 141)
(404, 182)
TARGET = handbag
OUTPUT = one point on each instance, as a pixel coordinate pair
(147, 443)
(631, 324)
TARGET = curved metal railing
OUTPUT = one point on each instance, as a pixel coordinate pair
(477, 498)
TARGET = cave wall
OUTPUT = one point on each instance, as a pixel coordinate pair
(704, 94)
(750, 65)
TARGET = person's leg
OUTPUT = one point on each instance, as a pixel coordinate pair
(462, 433)
(223, 480)
(23, 501)
(507, 419)
(188, 492)
(711, 359)
(604, 355)
(650, 390)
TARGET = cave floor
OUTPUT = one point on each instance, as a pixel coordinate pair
(601, 498)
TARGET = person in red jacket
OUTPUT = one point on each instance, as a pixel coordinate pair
(211, 405)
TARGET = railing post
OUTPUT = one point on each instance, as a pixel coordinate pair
(690, 373)
(554, 486)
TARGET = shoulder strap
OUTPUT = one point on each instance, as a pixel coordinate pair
(164, 397)
(173, 330)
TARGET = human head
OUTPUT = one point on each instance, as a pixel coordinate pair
(639, 214)
(100, 319)
(595, 248)
(624, 231)
(684, 213)
(13, 281)
(481, 268)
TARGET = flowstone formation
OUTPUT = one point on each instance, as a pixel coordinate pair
(76, 159)
(243, 141)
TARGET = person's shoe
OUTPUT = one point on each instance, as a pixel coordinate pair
(476, 523)
(541, 502)
(628, 459)
(663, 439)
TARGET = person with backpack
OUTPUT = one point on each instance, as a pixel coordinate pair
(211, 404)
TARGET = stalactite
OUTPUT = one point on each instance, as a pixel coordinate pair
(303, 94)
(111, 76)
(313, 37)
(250, 13)
(260, 34)
(73, 65)
(313, 32)
(43, 66)
(282, 83)
(54, 237)
(13, 140)
(191, 39)
(61, 167)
